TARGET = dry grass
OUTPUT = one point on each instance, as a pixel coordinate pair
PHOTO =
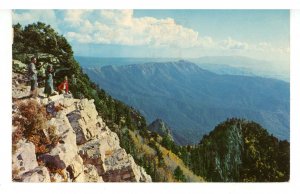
(32, 124)
(138, 141)
(172, 161)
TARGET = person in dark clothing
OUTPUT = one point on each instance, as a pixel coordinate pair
(32, 72)
(49, 89)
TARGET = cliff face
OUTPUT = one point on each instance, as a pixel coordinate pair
(222, 154)
(160, 127)
(86, 150)
(240, 150)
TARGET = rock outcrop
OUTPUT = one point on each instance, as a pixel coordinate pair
(160, 127)
(87, 150)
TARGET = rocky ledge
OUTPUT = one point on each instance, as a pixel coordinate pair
(87, 150)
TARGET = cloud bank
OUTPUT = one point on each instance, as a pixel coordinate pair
(121, 27)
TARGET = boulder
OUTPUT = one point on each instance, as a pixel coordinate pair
(63, 154)
(24, 158)
(39, 174)
(95, 151)
(120, 167)
(81, 136)
(91, 154)
(75, 168)
(85, 121)
(69, 104)
(90, 174)
(20, 91)
(56, 97)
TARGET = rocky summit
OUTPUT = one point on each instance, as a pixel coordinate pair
(86, 151)
(160, 127)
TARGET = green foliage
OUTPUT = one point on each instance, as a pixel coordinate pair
(170, 144)
(148, 161)
(178, 174)
(40, 38)
(239, 150)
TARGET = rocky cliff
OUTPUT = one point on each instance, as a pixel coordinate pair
(160, 127)
(241, 150)
(85, 150)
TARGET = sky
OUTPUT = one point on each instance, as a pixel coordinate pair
(259, 34)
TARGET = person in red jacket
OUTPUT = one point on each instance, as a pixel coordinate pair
(64, 86)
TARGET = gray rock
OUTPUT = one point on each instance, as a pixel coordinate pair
(20, 91)
(64, 153)
(56, 97)
(24, 159)
(85, 121)
(121, 167)
(39, 174)
(76, 167)
(91, 154)
(87, 151)
(90, 174)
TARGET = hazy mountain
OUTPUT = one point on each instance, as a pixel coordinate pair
(226, 69)
(116, 61)
(192, 100)
(229, 65)
(239, 65)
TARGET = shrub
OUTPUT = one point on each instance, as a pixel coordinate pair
(32, 124)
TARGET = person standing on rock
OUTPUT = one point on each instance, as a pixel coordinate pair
(64, 86)
(49, 90)
(33, 77)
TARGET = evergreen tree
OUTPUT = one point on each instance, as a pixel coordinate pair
(178, 174)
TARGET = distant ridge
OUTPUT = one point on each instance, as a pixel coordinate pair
(193, 100)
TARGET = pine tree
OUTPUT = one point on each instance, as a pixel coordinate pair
(178, 174)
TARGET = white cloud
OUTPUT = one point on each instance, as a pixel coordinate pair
(120, 27)
(75, 17)
(230, 43)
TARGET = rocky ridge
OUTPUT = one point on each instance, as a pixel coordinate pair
(160, 127)
(87, 150)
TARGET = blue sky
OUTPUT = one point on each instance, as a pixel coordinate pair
(260, 34)
(245, 25)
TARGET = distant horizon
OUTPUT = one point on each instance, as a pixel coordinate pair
(258, 34)
(235, 65)
(78, 55)
(181, 58)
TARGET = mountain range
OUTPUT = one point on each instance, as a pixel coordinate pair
(193, 100)
(240, 65)
(94, 137)
(224, 65)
